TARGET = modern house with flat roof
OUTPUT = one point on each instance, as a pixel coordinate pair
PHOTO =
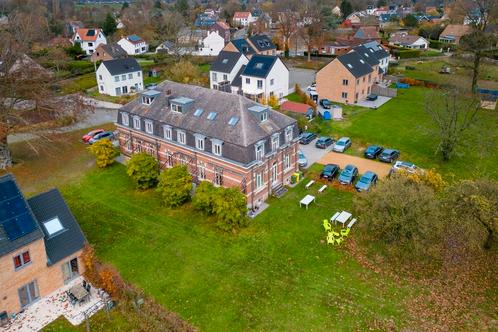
(40, 246)
(223, 138)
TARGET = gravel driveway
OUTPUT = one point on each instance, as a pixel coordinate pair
(363, 164)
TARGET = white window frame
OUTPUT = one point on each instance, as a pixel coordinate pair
(116, 78)
(287, 163)
(288, 134)
(260, 151)
(258, 179)
(123, 77)
(174, 108)
(200, 142)
(217, 148)
(201, 170)
(264, 116)
(275, 142)
(181, 137)
(149, 127)
(125, 119)
(167, 132)
(137, 123)
(214, 77)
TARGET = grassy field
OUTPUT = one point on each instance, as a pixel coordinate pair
(80, 83)
(403, 124)
(275, 275)
(428, 70)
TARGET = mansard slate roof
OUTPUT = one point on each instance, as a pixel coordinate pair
(121, 66)
(226, 61)
(354, 62)
(248, 130)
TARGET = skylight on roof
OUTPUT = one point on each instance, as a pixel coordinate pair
(212, 115)
(258, 65)
(224, 61)
(198, 112)
(349, 65)
(233, 121)
(53, 226)
(361, 60)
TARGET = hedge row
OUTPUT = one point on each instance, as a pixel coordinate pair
(438, 45)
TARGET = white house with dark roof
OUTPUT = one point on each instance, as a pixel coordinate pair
(223, 138)
(89, 39)
(119, 77)
(264, 76)
(134, 45)
(225, 69)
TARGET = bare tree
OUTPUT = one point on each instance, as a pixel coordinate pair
(453, 113)
(26, 97)
(287, 27)
(310, 27)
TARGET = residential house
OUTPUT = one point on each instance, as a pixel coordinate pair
(403, 39)
(367, 33)
(225, 69)
(262, 77)
(211, 45)
(167, 47)
(105, 52)
(134, 45)
(378, 52)
(200, 42)
(243, 19)
(256, 44)
(223, 30)
(119, 77)
(339, 47)
(222, 138)
(89, 39)
(297, 108)
(40, 246)
(454, 32)
(348, 78)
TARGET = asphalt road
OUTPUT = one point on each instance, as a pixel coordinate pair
(301, 76)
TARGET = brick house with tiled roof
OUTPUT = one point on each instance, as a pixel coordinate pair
(223, 138)
(40, 246)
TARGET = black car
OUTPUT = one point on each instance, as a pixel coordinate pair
(372, 97)
(329, 171)
(325, 103)
(389, 155)
(372, 151)
(307, 137)
(323, 142)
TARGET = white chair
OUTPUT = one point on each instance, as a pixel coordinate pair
(332, 219)
(351, 223)
(309, 184)
(322, 188)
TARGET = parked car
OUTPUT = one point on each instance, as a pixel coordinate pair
(372, 97)
(301, 159)
(372, 151)
(403, 165)
(306, 137)
(389, 155)
(342, 144)
(98, 137)
(325, 103)
(150, 86)
(366, 181)
(91, 134)
(324, 142)
(329, 171)
(348, 174)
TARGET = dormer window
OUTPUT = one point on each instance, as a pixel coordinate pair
(275, 142)
(199, 141)
(125, 119)
(181, 137)
(181, 104)
(149, 127)
(176, 108)
(168, 132)
(217, 147)
(136, 122)
(260, 150)
(264, 116)
(149, 96)
(288, 134)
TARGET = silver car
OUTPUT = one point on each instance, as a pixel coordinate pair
(301, 159)
(342, 144)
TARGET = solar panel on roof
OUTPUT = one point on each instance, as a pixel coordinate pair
(12, 207)
(8, 189)
(90, 32)
(19, 226)
(134, 38)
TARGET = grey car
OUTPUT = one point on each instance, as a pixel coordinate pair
(342, 144)
(301, 159)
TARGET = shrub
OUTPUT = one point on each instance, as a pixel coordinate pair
(104, 152)
(411, 81)
(143, 169)
(230, 208)
(273, 101)
(204, 197)
(430, 178)
(175, 185)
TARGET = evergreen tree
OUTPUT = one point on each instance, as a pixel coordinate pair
(346, 8)
(109, 26)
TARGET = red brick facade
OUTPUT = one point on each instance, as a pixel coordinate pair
(274, 169)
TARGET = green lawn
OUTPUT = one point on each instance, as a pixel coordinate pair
(403, 124)
(277, 274)
(77, 84)
(204, 68)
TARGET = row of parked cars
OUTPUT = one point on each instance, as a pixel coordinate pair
(96, 135)
(341, 145)
(348, 175)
